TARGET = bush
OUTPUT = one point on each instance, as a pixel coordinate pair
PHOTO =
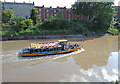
(117, 25)
(78, 27)
(9, 33)
(54, 23)
(22, 25)
(26, 32)
(113, 31)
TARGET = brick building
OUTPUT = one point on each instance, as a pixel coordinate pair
(20, 9)
(117, 13)
(45, 12)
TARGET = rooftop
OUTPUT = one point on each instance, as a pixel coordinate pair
(17, 3)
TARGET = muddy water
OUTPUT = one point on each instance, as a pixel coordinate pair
(97, 61)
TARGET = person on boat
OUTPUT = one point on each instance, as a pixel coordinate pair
(75, 45)
(70, 46)
(63, 47)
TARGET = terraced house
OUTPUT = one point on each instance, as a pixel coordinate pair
(20, 9)
(45, 12)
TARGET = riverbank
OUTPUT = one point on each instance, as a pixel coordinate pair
(59, 36)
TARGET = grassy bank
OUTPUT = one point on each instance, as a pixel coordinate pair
(36, 32)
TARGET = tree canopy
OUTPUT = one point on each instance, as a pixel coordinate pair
(100, 13)
(34, 16)
(7, 15)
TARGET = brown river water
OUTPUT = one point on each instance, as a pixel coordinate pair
(96, 62)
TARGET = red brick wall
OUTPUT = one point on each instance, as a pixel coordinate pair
(44, 14)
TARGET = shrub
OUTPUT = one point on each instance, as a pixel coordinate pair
(54, 23)
(113, 31)
(9, 33)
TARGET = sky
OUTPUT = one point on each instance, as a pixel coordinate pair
(53, 3)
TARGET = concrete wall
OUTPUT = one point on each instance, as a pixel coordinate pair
(20, 9)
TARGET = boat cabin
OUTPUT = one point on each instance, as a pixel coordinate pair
(49, 48)
(63, 42)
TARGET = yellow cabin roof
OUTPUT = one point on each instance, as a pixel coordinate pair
(62, 40)
(45, 45)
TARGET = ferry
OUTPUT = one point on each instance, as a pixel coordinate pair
(50, 48)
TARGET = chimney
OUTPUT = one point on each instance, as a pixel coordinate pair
(14, 1)
(64, 6)
(23, 1)
(33, 3)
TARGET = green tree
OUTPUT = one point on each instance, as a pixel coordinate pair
(23, 25)
(18, 19)
(34, 16)
(29, 23)
(60, 14)
(7, 15)
(99, 13)
(1, 2)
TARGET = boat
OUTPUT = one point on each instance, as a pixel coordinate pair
(50, 48)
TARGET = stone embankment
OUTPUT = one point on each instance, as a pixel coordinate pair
(51, 36)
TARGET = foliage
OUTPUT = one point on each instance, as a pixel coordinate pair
(117, 25)
(78, 27)
(100, 13)
(113, 31)
(1, 2)
(59, 14)
(17, 19)
(7, 15)
(22, 25)
(55, 23)
(9, 33)
(100, 19)
(34, 16)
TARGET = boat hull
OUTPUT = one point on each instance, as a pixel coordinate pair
(52, 53)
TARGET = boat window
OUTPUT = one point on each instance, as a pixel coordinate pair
(44, 50)
(51, 49)
(59, 48)
(31, 50)
(47, 49)
(40, 50)
(54, 49)
(36, 50)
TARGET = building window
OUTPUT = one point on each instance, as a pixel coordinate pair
(69, 15)
(69, 19)
(54, 11)
(47, 15)
(62, 10)
(47, 10)
(54, 14)
(11, 8)
(39, 10)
